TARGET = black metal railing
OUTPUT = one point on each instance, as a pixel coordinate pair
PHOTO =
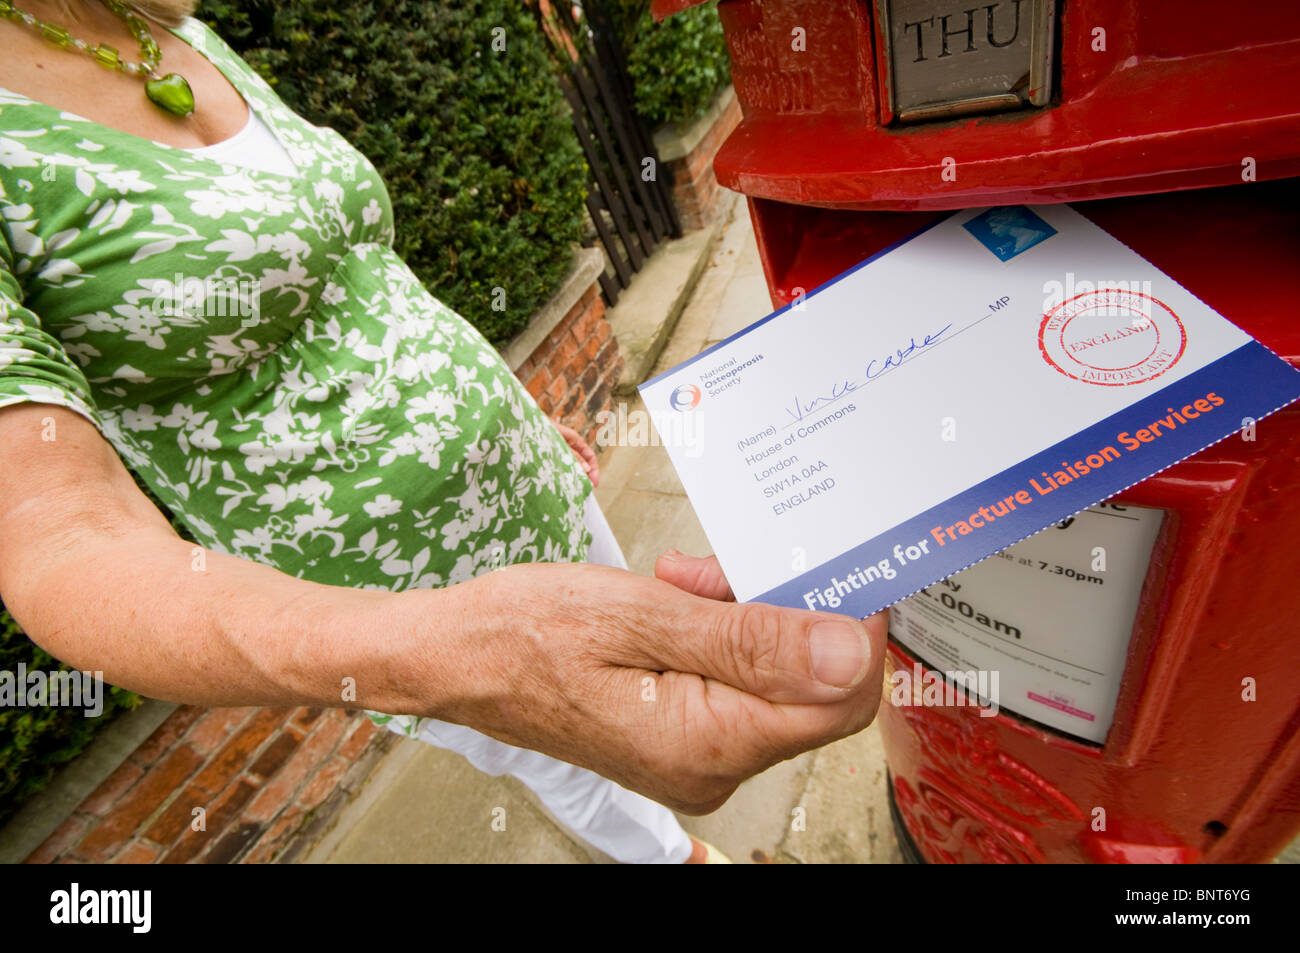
(629, 193)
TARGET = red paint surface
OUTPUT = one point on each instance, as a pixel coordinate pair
(1184, 91)
(1189, 771)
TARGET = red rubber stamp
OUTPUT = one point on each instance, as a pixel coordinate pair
(1112, 337)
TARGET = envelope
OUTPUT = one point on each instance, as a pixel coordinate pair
(1001, 371)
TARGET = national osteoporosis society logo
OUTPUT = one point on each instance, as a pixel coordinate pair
(1112, 337)
(684, 398)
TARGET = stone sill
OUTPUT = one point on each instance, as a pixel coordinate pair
(42, 815)
(588, 263)
(676, 141)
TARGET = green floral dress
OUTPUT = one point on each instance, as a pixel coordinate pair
(253, 348)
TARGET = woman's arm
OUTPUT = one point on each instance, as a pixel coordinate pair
(652, 684)
(96, 576)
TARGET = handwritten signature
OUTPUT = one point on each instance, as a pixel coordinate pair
(876, 367)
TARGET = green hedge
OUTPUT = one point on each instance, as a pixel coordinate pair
(677, 66)
(476, 146)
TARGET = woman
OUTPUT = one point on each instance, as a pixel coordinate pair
(351, 455)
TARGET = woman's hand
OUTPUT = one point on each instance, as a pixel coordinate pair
(656, 683)
(582, 450)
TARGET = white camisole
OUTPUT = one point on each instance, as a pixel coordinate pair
(254, 146)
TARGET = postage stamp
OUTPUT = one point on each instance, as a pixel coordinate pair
(1009, 230)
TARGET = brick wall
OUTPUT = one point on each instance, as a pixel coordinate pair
(695, 187)
(572, 373)
(269, 780)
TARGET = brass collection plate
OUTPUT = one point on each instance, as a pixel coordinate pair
(947, 58)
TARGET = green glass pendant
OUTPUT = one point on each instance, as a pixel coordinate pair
(171, 93)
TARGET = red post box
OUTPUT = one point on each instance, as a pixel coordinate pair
(1174, 125)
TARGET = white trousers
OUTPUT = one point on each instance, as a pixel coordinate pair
(626, 826)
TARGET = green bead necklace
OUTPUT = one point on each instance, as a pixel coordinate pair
(170, 93)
